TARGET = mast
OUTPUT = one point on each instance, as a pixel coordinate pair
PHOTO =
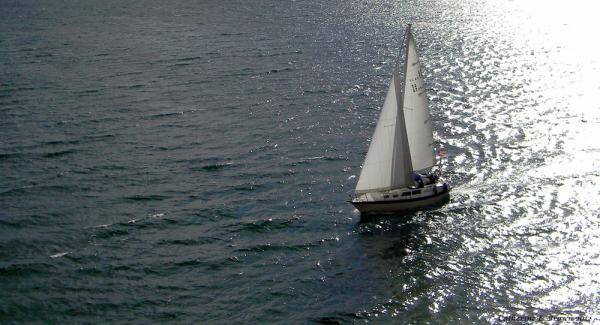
(401, 157)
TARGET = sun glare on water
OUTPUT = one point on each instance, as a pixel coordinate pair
(563, 72)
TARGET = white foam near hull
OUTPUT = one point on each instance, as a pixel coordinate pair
(393, 205)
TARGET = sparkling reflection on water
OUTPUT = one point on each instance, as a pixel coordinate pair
(515, 84)
(518, 97)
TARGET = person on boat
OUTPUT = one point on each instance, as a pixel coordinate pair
(432, 178)
(418, 180)
(425, 179)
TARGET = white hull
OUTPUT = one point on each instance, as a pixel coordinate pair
(391, 204)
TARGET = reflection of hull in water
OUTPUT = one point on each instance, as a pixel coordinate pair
(401, 204)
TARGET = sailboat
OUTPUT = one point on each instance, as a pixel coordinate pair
(399, 170)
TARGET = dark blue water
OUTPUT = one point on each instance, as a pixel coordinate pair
(189, 162)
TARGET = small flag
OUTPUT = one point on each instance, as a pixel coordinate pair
(442, 152)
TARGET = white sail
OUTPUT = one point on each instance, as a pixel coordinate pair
(416, 111)
(387, 164)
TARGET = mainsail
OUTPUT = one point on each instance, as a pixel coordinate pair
(416, 111)
(403, 139)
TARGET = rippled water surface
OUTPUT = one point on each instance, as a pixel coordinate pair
(189, 161)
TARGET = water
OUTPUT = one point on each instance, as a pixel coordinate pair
(190, 161)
